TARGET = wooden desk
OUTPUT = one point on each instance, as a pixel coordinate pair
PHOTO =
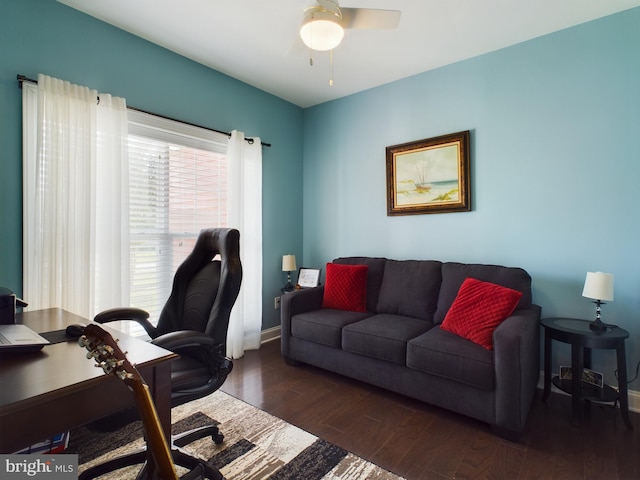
(58, 389)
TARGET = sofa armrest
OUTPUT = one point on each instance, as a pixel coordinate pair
(294, 303)
(517, 367)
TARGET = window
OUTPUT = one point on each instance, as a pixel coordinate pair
(128, 193)
(178, 186)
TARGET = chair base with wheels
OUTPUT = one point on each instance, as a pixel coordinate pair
(180, 457)
(139, 457)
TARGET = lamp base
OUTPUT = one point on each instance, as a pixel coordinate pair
(289, 286)
(598, 326)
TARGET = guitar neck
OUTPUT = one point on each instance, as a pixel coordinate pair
(107, 354)
(156, 440)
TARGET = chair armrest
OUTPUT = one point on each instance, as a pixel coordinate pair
(181, 339)
(200, 346)
(517, 366)
(128, 313)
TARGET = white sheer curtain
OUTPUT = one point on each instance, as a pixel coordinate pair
(75, 172)
(245, 214)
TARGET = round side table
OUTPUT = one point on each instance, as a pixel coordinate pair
(582, 339)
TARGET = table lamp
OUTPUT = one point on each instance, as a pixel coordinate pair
(288, 265)
(598, 286)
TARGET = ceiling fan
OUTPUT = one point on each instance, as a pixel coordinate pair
(323, 24)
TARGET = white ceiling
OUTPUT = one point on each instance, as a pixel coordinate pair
(257, 41)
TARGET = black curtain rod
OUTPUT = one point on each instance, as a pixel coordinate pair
(22, 78)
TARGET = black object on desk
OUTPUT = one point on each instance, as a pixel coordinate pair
(75, 329)
(8, 304)
(582, 339)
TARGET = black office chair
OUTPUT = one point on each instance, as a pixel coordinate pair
(193, 324)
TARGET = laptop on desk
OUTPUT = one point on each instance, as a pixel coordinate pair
(20, 338)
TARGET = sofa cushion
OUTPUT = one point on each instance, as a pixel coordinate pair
(410, 288)
(453, 274)
(447, 355)
(345, 287)
(478, 309)
(323, 326)
(383, 336)
(374, 276)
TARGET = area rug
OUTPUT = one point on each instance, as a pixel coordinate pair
(257, 445)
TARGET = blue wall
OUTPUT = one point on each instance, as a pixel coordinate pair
(43, 36)
(554, 166)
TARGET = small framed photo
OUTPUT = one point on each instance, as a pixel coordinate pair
(592, 378)
(588, 376)
(308, 277)
(565, 373)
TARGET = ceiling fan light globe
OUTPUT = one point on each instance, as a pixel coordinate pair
(321, 30)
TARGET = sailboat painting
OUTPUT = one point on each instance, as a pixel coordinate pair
(429, 176)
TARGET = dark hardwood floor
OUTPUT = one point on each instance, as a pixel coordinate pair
(419, 441)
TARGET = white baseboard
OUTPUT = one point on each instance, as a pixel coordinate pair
(270, 334)
(634, 401)
(634, 396)
(273, 333)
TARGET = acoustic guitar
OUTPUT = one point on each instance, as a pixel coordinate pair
(105, 351)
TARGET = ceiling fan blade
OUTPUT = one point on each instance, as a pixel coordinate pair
(369, 18)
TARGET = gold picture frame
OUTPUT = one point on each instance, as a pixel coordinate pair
(429, 176)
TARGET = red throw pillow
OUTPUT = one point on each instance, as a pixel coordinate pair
(345, 287)
(478, 309)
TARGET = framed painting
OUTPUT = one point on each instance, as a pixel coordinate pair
(429, 176)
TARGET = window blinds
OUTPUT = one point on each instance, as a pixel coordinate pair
(177, 186)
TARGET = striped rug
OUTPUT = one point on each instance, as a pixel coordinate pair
(257, 445)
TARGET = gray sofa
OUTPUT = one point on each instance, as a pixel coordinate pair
(397, 343)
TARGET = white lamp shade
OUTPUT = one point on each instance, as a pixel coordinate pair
(321, 29)
(288, 263)
(598, 286)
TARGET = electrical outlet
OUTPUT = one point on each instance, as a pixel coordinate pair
(276, 303)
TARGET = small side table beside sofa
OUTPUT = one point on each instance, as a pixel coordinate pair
(582, 339)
